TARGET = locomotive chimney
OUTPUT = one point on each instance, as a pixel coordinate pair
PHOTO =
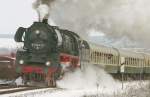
(45, 20)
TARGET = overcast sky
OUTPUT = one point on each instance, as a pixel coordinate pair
(15, 13)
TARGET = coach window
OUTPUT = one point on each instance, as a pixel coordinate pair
(132, 61)
(111, 60)
(92, 56)
(142, 62)
(115, 59)
(139, 62)
(135, 60)
(128, 60)
(105, 56)
(100, 57)
(96, 56)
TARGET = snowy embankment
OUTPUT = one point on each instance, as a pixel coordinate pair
(7, 45)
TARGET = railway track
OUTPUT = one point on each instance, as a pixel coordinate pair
(13, 89)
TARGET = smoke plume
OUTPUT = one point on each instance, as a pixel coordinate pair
(43, 8)
(128, 18)
(117, 18)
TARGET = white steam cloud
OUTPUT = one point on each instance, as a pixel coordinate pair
(115, 18)
(43, 11)
(43, 8)
(91, 78)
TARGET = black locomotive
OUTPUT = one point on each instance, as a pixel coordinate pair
(47, 52)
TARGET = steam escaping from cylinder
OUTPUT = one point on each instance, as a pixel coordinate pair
(90, 78)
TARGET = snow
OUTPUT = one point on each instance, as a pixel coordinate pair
(5, 81)
(7, 43)
(2, 90)
(19, 81)
(91, 81)
(92, 77)
(51, 92)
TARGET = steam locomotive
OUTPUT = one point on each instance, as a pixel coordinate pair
(48, 52)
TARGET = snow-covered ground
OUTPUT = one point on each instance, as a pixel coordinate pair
(7, 45)
(130, 90)
(92, 82)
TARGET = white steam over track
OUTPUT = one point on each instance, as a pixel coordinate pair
(92, 77)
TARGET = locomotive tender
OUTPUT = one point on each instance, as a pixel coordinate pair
(49, 52)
